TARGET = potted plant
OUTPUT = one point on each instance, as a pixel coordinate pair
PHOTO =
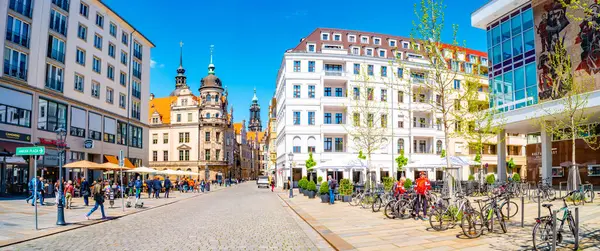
(346, 189)
(301, 185)
(324, 192)
(319, 180)
(312, 189)
(490, 179)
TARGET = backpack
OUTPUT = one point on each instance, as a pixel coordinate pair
(333, 184)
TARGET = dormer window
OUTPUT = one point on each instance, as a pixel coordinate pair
(364, 39)
(355, 51)
(184, 102)
(399, 55)
(337, 37)
(351, 38)
(484, 61)
(381, 53)
(155, 120)
(369, 52)
(392, 43)
(377, 41)
(311, 47)
(324, 36)
(417, 47)
(473, 59)
(405, 45)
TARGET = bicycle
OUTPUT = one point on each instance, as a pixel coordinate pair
(544, 191)
(473, 222)
(381, 199)
(444, 216)
(542, 234)
(582, 195)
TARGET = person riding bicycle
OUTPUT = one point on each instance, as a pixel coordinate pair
(422, 185)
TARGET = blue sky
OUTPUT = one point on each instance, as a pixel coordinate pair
(251, 36)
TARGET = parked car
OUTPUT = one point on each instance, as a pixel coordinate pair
(263, 181)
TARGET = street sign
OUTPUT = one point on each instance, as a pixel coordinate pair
(88, 144)
(34, 150)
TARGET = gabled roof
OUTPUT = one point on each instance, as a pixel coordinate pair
(163, 107)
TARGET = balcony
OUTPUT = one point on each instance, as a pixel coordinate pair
(337, 51)
(334, 73)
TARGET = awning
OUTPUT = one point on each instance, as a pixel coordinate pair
(113, 159)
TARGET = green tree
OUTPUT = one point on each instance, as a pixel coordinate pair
(310, 162)
(401, 161)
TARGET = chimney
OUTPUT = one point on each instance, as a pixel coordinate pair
(151, 96)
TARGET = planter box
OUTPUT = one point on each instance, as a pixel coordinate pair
(324, 198)
(300, 190)
(311, 194)
(346, 198)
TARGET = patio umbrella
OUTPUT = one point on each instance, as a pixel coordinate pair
(142, 169)
(82, 164)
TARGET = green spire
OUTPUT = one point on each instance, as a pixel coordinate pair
(211, 66)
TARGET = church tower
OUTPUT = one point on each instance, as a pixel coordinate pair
(254, 124)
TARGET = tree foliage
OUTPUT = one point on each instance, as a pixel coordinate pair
(401, 161)
(310, 162)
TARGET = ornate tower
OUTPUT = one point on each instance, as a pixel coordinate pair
(254, 124)
(180, 79)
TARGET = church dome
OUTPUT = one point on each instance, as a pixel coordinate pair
(210, 81)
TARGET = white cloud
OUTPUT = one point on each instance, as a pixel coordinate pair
(152, 63)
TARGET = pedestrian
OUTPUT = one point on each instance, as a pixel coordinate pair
(202, 184)
(69, 191)
(156, 186)
(272, 185)
(421, 187)
(290, 187)
(149, 187)
(167, 187)
(138, 187)
(56, 192)
(185, 185)
(34, 192)
(98, 195)
(191, 185)
(130, 187)
(332, 185)
(85, 191)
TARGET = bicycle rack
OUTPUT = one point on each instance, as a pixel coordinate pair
(554, 212)
(591, 188)
(560, 188)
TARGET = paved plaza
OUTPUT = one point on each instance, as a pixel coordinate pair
(241, 217)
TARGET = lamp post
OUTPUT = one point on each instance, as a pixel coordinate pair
(61, 136)
(291, 158)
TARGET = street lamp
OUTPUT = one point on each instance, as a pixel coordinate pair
(61, 137)
(291, 158)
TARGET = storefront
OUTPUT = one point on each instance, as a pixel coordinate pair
(14, 170)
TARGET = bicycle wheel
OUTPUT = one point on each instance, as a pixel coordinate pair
(542, 235)
(377, 203)
(355, 200)
(404, 210)
(439, 219)
(388, 211)
(551, 194)
(535, 195)
(589, 196)
(472, 224)
(576, 198)
(501, 221)
(514, 209)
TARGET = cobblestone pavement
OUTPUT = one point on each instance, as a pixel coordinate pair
(240, 218)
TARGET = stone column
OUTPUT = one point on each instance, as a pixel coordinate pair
(501, 149)
(546, 156)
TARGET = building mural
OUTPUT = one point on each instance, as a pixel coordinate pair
(582, 39)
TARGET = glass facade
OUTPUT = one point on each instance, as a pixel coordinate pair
(511, 47)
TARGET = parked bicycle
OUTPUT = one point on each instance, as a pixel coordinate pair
(542, 231)
(473, 221)
(444, 215)
(544, 191)
(582, 195)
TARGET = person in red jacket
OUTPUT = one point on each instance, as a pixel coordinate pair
(399, 189)
(422, 185)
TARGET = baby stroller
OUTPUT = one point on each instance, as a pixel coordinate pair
(111, 197)
(138, 204)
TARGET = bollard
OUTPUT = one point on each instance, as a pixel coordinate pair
(576, 228)
(539, 205)
(508, 216)
(554, 230)
(522, 211)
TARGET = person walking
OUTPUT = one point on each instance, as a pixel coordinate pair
(167, 187)
(332, 185)
(202, 184)
(85, 191)
(149, 187)
(272, 185)
(56, 192)
(156, 186)
(69, 191)
(290, 187)
(421, 187)
(138, 187)
(98, 195)
(34, 192)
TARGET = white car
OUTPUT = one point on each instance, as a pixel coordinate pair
(263, 181)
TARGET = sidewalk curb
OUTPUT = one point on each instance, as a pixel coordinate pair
(91, 223)
(334, 240)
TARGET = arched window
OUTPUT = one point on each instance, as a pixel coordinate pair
(312, 144)
(216, 97)
(208, 115)
(208, 98)
(384, 144)
(216, 115)
(438, 147)
(400, 145)
(296, 144)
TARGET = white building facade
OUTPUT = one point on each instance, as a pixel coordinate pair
(316, 90)
(76, 65)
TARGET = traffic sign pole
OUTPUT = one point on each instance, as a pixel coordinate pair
(33, 152)
(35, 192)
(121, 163)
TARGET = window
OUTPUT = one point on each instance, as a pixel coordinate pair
(400, 97)
(356, 69)
(111, 50)
(15, 63)
(54, 77)
(178, 117)
(56, 49)
(155, 120)
(52, 115)
(109, 95)
(296, 118)
(186, 137)
(136, 136)
(80, 56)
(339, 92)
(135, 109)
(370, 120)
(327, 118)
(137, 69)
(356, 119)
(82, 32)
(84, 9)
(370, 95)
(136, 89)
(184, 155)
(17, 31)
(189, 117)
(110, 72)
(99, 20)
(206, 154)
(384, 95)
(63, 4)
(58, 22)
(123, 57)
(382, 53)
(137, 50)
(324, 36)
(217, 154)
(327, 92)
(356, 93)
(311, 48)
(351, 38)
(154, 139)
(405, 45)
(218, 137)
(383, 121)
(311, 66)
(311, 91)
(296, 66)
(338, 119)
(122, 100)
(166, 155)
(457, 84)
(296, 91)
(364, 40)
(181, 137)
(377, 41)
(369, 52)
(339, 144)
(311, 118)
(383, 70)
(355, 51)
(113, 29)
(123, 78)
(95, 89)
(207, 136)
(370, 70)
(78, 83)
(15, 111)
(392, 43)
(400, 145)
(327, 144)
(97, 65)
(24, 7)
(337, 37)
(124, 38)
(165, 138)
(400, 124)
